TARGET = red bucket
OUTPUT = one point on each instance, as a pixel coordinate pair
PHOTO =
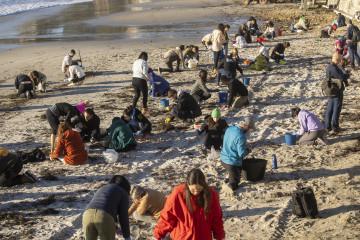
(279, 32)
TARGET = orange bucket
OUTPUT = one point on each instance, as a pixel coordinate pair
(246, 62)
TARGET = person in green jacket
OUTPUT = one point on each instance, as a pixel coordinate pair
(121, 137)
(199, 91)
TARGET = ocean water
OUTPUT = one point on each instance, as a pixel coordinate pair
(9, 7)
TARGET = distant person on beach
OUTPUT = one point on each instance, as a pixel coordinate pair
(326, 31)
(244, 31)
(138, 123)
(68, 61)
(238, 93)
(173, 55)
(303, 24)
(253, 27)
(233, 152)
(76, 73)
(311, 127)
(121, 138)
(240, 42)
(278, 52)
(24, 87)
(159, 86)
(66, 110)
(191, 52)
(39, 80)
(88, 125)
(186, 107)
(353, 37)
(109, 205)
(228, 67)
(340, 21)
(218, 38)
(207, 40)
(147, 204)
(226, 43)
(139, 81)
(192, 211)
(263, 50)
(10, 167)
(234, 55)
(332, 114)
(269, 30)
(341, 46)
(261, 62)
(70, 148)
(199, 90)
(214, 128)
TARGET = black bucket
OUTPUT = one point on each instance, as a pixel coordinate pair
(253, 169)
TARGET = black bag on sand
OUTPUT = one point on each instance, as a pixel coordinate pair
(10, 167)
(330, 88)
(35, 156)
(304, 203)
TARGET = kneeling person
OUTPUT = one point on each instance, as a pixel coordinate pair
(238, 93)
(77, 75)
(199, 91)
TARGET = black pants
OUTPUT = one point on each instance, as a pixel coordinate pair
(23, 88)
(76, 79)
(216, 58)
(234, 175)
(276, 57)
(169, 61)
(213, 140)
(53, 121)
(181, 114)
(201, 96)
(140, 85)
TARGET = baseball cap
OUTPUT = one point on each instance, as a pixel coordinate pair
(248, 121)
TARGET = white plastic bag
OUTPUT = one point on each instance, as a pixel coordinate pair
(192, 63)
(110, 155)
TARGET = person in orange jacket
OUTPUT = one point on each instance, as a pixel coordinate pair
(69, 146)
(192, 211)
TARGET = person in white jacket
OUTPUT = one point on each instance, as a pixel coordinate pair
(68, 60)
(77, 75)
(218, 38)
(240, 42)
(139, 82)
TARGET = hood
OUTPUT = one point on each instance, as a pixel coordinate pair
(118, 122)
(68, 134)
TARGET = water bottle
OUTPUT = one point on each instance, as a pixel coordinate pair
(274, 162)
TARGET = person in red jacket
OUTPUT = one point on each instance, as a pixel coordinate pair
(192, 211)
(69, 146)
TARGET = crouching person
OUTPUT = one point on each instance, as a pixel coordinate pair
(147, 204)
(121, 137)
(199, 91)
(233, 152)
(88, 124)
(24, 86)
(238, 93)
(138, 123)
(109, 203)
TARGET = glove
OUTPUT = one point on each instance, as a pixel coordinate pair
(281, 55)
(168, 120)
(183, 67)
(224, 106)
(66, 79)
(167, 109)
(138, 133)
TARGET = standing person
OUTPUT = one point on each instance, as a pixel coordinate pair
(278, 52)
(218, 40)
(138, 123)
(76, 73)
(147, 204)
(186, 107)
(311, 127)
(332, 114)
(173, 55)
(192, 211)
(207, 40)
(234, 151)
(121, 138)
(39, 80)
(109, 204)
(139, 82)
(353, 37)
(228, 67)
(88, 124)
(159, 86)
(199, 90)
(54, 112)
(67, 61)
(214, 128)
(24, 86)
(238, 93)
(70, 148)
(226, 43)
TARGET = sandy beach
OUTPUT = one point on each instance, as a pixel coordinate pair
(52, 207)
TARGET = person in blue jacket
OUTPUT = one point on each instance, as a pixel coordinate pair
(159, 86)
(234, 151)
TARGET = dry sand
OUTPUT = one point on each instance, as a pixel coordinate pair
(52, 207)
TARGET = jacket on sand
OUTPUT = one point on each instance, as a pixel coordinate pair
(120, 135)
(234, 146)
(153, 202)
(71, 147)
(184, 225)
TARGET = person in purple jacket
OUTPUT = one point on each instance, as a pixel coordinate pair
(311, 127)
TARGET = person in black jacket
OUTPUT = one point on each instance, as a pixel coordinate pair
(186, 106)
(352, 43)
(278, 52)
(228, 67)
(335, 103)
(238, 93)
(24, 86)
(138, 123)
(88, 124)
(69, 111)
(215, 130)
(243, 31)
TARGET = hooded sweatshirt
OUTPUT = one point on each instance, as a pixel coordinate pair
(120, 135)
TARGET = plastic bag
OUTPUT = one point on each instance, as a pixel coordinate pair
(110, 155)
(192, 63)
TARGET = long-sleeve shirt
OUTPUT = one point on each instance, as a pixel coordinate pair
(22, 78)
(65, 109)
(92, 126)
(66, 61)
(140, 69)
(333, 71)
(199, 86)
(279, 48)
(230, 65)
(308, 122)
(114, 200)
(153, 202)
(349, 36)
(75, 71)
(234, 146)
(236, 89)
(218, 40)
(174, 52)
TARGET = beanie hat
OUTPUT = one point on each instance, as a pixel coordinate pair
(216, 113)
(81, 107)
(3, 152)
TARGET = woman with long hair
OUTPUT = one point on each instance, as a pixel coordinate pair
(139, 81)
(192, 211)
(218, 37)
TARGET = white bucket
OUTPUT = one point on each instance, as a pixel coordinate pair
(110, 155)
(192, 63)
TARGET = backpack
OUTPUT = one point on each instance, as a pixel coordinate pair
(330, 88)
(304, 203)
(355, 34)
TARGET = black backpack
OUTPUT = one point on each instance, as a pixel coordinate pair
(330, 88)
(355, 34)
(304, 203)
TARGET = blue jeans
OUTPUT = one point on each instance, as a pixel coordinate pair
(354, 55)
(333, 112)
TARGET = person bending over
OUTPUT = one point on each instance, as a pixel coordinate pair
(88, 124)
(199, 90)
(121, 138)
(39, 80)
(238, 93)
(76, 73)
(159, 86)
(228, 67)
(278, 52)
(173, 55)
(24, 86)
(138, 123)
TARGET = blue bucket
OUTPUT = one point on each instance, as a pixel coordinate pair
(290, 139)
(223, 97)
(165, 102)
(246, 81)
(292, 28)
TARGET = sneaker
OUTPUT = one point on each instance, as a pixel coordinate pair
(71, 84)
(30, 176)
(323, 141)
(202, 151)
(28, 94)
